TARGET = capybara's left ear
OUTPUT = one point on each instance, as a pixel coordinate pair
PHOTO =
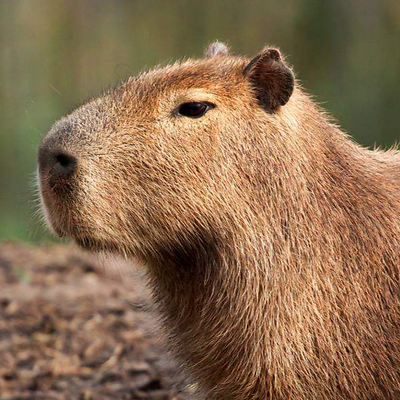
(272, 79)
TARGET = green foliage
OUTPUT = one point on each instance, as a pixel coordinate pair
(55, 54)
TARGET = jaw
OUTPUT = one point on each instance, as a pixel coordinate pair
(100, 246)
(86, 238)
(89, 230)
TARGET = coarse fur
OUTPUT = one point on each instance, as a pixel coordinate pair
(271, 238)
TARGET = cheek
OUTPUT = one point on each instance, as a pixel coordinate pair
(111, 192)
(189, 141)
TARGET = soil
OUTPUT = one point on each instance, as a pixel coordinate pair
(75, 327)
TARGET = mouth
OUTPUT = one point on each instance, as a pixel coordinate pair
(45, 209)
(56, 209)
(57, 212)
(59, 229)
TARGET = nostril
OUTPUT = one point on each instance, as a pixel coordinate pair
(64, 160)
(55, 164)
(65, 163)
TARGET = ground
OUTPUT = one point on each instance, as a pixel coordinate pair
(74, 327)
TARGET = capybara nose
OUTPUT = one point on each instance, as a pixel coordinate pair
(56, 163)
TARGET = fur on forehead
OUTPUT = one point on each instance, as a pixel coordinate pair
(216, 49)
(207, 73)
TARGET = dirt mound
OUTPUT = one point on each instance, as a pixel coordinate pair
(71, 330)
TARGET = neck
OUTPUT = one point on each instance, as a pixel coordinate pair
(277, 303)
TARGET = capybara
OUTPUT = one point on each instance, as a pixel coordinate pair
(271, 239)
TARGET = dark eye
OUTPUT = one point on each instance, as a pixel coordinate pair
(195, 109)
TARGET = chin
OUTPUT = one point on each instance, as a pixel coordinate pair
(95, 245)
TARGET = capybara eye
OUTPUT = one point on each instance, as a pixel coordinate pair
(195, 109)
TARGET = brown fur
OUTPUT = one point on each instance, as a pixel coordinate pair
(271, 239)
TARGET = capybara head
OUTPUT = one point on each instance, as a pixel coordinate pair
(271, 239)
(145, 166)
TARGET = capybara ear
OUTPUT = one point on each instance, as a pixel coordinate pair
(216, 49)
(272, 79)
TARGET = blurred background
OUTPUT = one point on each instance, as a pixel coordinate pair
(55, 54)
